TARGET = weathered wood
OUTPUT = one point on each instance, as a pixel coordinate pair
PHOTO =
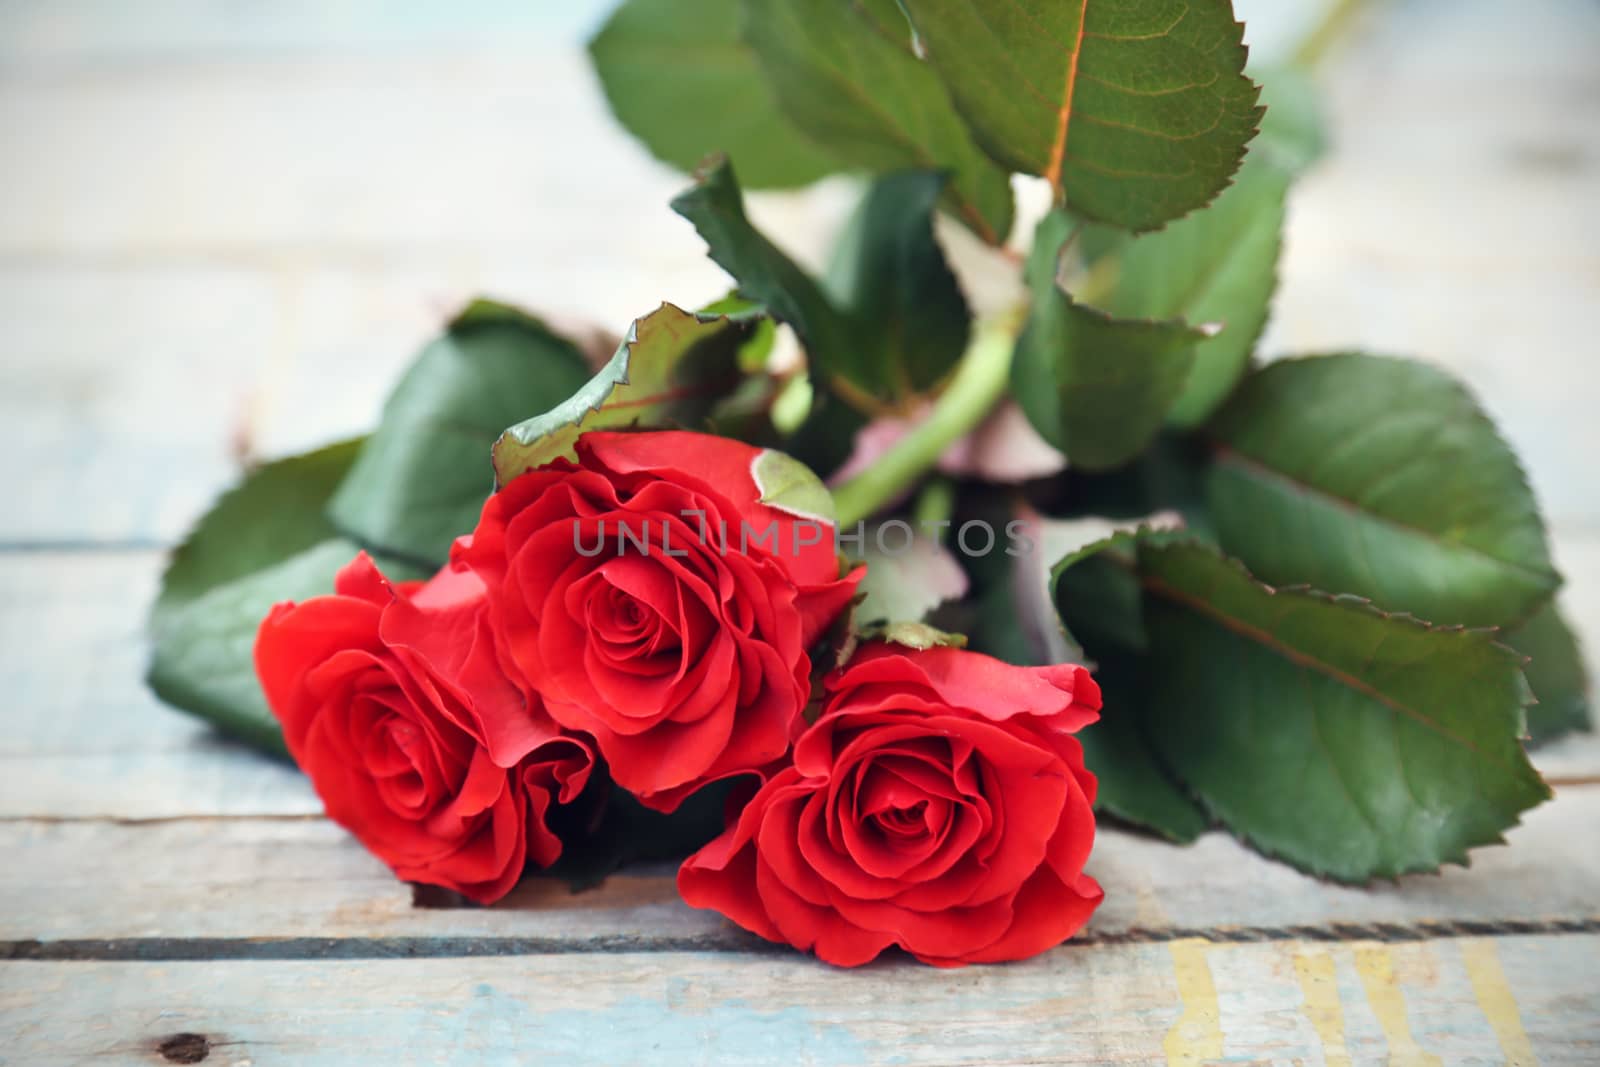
(84, 737)
(253, 878)
(88, 33)
(282, 308)
(120, 392)
(1454, 219)
(166, 296)
(266, 284)
(1184, 1002)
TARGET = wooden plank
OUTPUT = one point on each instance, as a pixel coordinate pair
(1462, 165)
(84, 737)
(120, 395)
(266, 284)
(371, 159)
(87, 31)
(267, 357)
(1577, 552)
(250, 358)
(271, 277)
(1185, 1002)
(269, 350)
(84, 31)
(286, 878)
(282, 309)
(95, 743)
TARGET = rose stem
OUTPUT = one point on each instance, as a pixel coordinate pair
(978, 383)
(1336, 18)
(935, 503)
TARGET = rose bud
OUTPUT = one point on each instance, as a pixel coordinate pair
(654, 601)
(939, 803)
(393, 703)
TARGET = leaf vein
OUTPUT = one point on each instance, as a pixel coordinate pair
(1156, 36)
(1178, 138)
(1256, 468)
(1272, 643)
(1058, 147)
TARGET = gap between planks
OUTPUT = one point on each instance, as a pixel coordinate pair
(200, 949)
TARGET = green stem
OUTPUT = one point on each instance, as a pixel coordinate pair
(935, 503)
(1314, 45)
(979, 382)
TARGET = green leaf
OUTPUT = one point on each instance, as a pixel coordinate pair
(790, 486)
(1216, 266)
(1134, 785)
(1351, 743)
(1169, 476)
(277, 511)
(204, 656)
(904, 323)
(1292, 131)
(1380, 477)
(1042, 546)
(265, 541)
(1097, 596)
(908, 575)
(845, 73)
(1021, 623)
(1137, 112)
(1556, 673)
(755, 353)
(715, 205)
(1096, 387)
(680, 79)
(826, 432)
(670, 369)
(421, 479)
(890, 277)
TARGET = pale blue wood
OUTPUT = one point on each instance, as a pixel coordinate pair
(1127, 1004)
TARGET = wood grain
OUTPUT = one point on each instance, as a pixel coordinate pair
(85, 738)
(297, 877)
(225, 230)
(1186, 1002)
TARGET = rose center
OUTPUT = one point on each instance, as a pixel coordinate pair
(627, 627)
(402, 763)
(908, 821)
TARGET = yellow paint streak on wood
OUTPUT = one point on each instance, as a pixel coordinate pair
(1320, 987)
(1197, 1035)
(1489, 985)
(1376, 967)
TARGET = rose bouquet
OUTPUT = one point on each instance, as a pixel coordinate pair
(822, 626)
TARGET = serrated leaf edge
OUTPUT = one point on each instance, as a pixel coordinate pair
(1460, 858)
(1479, 415)
(599, 389)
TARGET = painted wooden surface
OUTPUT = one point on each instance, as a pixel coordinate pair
(298, 877)
(1186, 1002)
(225, 228)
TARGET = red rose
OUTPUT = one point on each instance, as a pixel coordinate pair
(939, 803)
(392, 701)
(656, 603)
